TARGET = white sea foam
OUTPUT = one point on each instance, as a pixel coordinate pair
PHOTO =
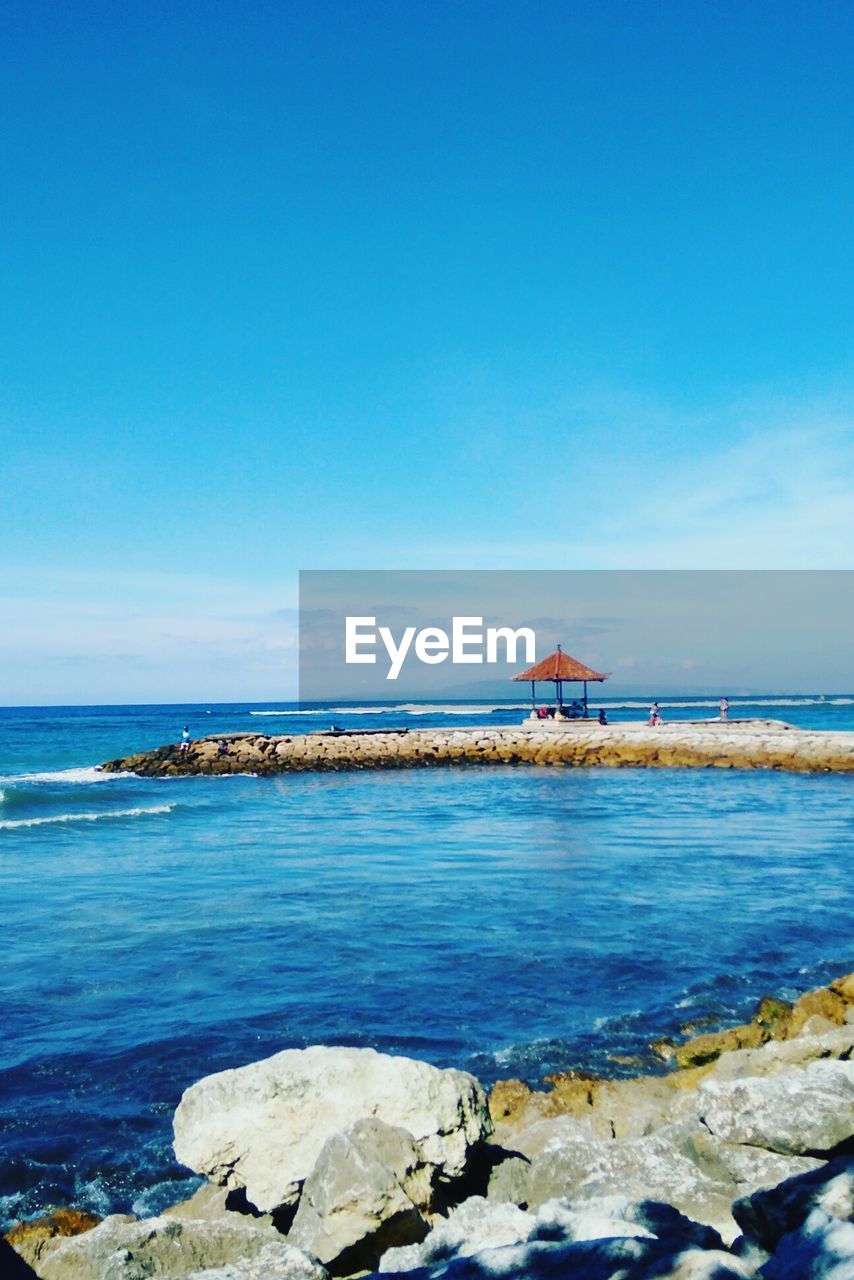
(443, 709)
(403, 708)
(626, 704)
(428, 709)
(90, 773)
(502, 1056)
(85, 817)
(321, 712)
(337, 711)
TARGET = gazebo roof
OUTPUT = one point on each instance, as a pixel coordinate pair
(559, 666)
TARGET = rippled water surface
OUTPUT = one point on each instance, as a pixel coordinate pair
(511, 921)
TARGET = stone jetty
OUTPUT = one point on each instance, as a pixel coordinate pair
(748, 744)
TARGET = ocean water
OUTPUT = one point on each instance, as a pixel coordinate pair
(509, 921)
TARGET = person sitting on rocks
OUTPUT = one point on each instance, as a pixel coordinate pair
(655, 714)
(222, 747)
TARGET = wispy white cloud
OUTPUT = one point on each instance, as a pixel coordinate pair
(72, 636)
(780, 496)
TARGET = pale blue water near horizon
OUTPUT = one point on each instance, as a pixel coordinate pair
(509, 921)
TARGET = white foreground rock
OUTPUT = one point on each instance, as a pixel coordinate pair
(270, 1264)
(478, 1227)
(369, 1189)
(823, 1249)
(806, 1224)
(768, 1216)
(612, 1258)
(475, 1225)
(121, 1247)
(697, 1172)
(793, 1112)
(620, 1216)
(262, 1126)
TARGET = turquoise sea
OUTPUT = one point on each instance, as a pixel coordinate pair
(509, 921)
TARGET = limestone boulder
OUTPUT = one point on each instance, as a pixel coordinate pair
(548, 1134)
(272, 1263)
(369, 1189)
(217, 1204)
(123, 1248)
(705, 1048)
(507, 1098)
(781, 1055)
(566, 1158)
(653, 1168)
(32, 1239)
(699, 1264)
(262, 1126)
(634, 1108)
(823, 1249)
(824, 1003)
(844, 987)
(509, 1178)
(475, 1225)
(793, 1112)
(767, 1216)
(612, 1108)
(682, 1164)
(620, 1216)
(747, 1169)
(617, 1258)
(773, 1014)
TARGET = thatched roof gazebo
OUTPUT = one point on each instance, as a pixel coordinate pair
(559, 668)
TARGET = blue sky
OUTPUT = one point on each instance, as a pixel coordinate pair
(372, 285)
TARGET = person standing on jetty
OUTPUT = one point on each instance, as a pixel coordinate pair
(655, 714)
(724, 705)
(185, 738)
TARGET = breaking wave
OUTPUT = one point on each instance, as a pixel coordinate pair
(320, 711)
(11, 823)
(88, 773)
(403, 708)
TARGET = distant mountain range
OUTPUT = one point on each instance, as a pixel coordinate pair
(505, 690)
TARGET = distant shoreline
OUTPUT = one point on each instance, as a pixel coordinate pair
(734, 744)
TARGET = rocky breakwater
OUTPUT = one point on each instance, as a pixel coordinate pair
(749, 745)
(330, 1161)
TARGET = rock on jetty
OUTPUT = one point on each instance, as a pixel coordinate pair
(741, 1168)
(734, 745)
